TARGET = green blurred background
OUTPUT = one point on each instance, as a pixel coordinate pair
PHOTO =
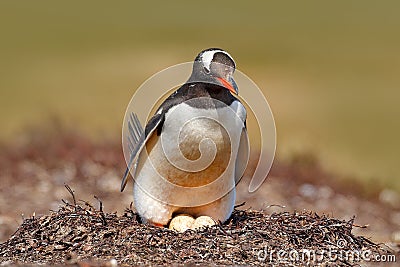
(330, 70)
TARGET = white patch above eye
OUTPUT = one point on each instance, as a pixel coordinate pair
(208, 56)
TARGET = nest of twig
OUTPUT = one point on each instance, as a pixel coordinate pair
(79, 233)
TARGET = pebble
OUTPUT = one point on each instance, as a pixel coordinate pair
(113, 263)
(308, 191)
(396, 237)
(390, 197)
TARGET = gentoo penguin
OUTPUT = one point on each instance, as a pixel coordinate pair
(194, 149)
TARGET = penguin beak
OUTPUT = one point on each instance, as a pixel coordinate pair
(230, 85)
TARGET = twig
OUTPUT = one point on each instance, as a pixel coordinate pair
(103, 217)
(72, 194)
(240, 205)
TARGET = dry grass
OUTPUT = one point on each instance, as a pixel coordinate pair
(82, 234)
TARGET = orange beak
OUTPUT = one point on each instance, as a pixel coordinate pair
(228, 86)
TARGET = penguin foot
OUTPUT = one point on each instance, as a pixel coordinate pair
(183, 222)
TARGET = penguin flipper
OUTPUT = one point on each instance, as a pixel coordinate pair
(242, 156)
(137, 139)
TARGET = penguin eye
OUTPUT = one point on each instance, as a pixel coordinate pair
(206, 70)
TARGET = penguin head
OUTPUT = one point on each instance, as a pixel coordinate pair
(215, 66)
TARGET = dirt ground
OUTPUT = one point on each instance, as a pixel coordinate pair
(35, 169)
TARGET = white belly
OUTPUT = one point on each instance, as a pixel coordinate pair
(191, 164)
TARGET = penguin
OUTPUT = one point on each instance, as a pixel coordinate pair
(194, 149)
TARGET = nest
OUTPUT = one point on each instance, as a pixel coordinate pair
(80, 233)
